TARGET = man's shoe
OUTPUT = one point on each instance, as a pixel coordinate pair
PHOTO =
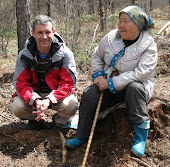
(34, 125)
(73, 123)
(74, 142)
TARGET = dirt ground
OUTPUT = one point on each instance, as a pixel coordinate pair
(112, 141)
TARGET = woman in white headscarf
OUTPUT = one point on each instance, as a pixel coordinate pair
(123, 67)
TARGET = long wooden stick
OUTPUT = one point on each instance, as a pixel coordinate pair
(92, 130)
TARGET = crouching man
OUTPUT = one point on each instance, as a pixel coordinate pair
(45, 77)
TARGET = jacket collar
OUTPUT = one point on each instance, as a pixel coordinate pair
(57, 43)
(116, 43)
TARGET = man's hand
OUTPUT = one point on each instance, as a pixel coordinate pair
(38, 104)
(101, 82)
(45, 104)
(41, 106)
(41, 116)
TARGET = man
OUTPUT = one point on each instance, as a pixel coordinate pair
(45, 77)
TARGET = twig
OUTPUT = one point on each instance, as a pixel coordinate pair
(140, 161)
(3, 115)
(3, 109)
(81, 82)
(164, 27)
(64, 150)
(58, 151)
(93, 38)
(16, 138)
(29, 142)
(3, 83)
(13, 138)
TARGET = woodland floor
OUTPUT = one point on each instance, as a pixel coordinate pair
(112, 141)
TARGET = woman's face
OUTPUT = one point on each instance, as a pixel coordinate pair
(128, 29)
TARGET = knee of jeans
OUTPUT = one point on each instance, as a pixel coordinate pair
(60, 119)
(68, 109)
(19, 108)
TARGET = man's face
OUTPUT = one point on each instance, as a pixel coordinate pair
(128, 29)
(43, 35)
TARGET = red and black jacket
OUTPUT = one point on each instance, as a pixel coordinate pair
(60, 74)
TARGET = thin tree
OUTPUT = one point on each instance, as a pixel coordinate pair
(101, 14)
(23, 22)
(112, 6)
(48, 8)
(133, 2)
(151, 6)
(90, 7)
(38, 6)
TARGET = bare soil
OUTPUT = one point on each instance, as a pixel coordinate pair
(112, 141)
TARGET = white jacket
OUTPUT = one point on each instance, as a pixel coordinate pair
(136, 64)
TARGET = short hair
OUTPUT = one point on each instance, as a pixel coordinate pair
(42, 20)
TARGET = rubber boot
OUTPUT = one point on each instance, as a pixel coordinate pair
(74, 142)
(140, 137)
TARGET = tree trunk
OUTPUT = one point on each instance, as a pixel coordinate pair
(101, 14)
(48, 8)
(23, 22)
(105, 7)
(38, 6)
(90, 7)
(133, 2)
(151, 5)
(112, 6)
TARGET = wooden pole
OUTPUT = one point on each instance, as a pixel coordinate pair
(64, 150)
(92, 130)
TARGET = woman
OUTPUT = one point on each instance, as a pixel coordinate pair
(122, 67)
